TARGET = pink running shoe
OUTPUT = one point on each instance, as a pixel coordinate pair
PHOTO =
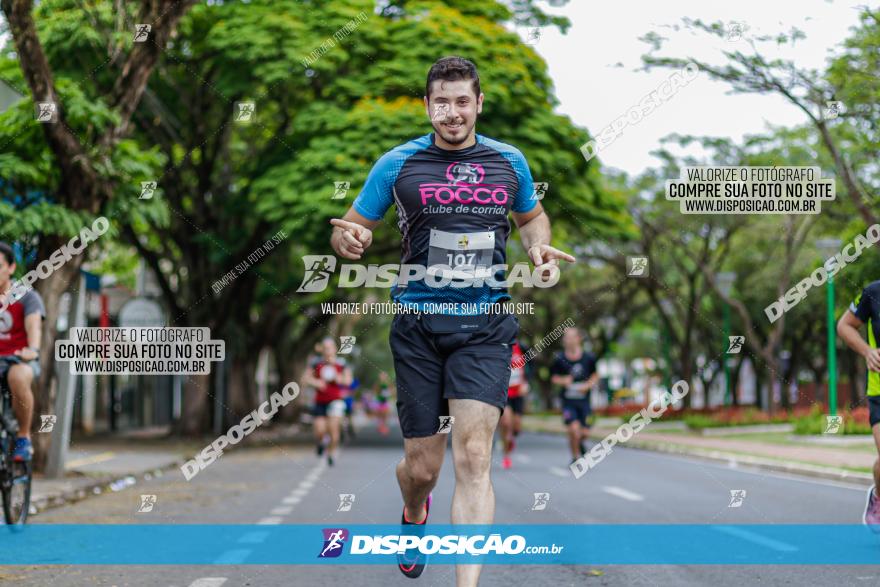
(871, 518)
(506, 463)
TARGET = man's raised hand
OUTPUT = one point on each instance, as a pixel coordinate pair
(350, 239)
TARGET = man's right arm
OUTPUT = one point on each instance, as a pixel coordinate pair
(860, 312)
(352, 235)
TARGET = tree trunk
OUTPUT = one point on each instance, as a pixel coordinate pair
(195, 417)
(50, 290)
(242, 393)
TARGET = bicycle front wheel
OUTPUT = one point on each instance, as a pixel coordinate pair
(17, 493)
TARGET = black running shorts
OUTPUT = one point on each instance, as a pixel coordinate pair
(516, 404)
(432, 368)
(576, 409)
(874, 409)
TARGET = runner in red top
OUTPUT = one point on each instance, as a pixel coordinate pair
(331, 379)
(517, 389)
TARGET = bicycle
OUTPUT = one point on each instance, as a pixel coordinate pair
(15, 477)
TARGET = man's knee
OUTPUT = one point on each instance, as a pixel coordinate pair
(20, 378)
(422, 473)
(473, 457)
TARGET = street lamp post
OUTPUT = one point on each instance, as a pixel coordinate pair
(827, 247)
(725, 285)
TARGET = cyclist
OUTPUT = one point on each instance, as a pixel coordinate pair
(20, 330)
(865, 309)
(574, 370)
(453, 190)
(517, 389)
(329, 377)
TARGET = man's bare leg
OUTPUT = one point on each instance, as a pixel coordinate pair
(474, 500)
(876, 431)
(20, 378)
(418, 471)
(574, 438)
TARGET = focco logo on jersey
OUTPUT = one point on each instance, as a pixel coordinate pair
(465, 187)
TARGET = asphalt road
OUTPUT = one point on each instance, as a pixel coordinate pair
(289, 485)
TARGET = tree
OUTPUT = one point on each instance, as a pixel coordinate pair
(82, 149)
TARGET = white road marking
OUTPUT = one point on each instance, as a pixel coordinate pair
(281, 510)
(299, 491)
(253, 538)
(560, 472)
(293, 499)
(232, 557)
(522, 458)
(622, 493)
(269, 521)
(306, 484)
(756, 538)
(208, 582)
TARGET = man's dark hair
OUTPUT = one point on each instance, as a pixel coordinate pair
(453, 69)
(7, 252)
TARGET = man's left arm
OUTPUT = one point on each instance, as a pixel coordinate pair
(535, 233)
(33, 326)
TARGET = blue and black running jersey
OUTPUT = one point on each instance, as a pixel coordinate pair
(866, 308)
(452, 209)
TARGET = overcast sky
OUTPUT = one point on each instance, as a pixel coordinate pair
(593, 92)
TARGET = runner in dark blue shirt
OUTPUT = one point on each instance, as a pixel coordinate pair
(574, 371)
(453, 190)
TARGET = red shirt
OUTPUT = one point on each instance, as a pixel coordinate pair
(13, 335)
(331, 374)
(517, 371)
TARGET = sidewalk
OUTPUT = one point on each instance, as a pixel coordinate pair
(112, 463)
(807, 458)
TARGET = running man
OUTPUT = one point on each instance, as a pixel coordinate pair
(517, 389)
(330, 378)
(865, 309)
(574, 370)
(453, 190)
(20, 330)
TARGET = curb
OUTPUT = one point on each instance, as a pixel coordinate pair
(98, 486)
(735, 460)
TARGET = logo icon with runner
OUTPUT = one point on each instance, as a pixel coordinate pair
(141, 32)
(735, 344)
(737, 497)
(637, 266)
(245, 112)
(147, 503)
(47, 423)
(833, 424)
(319, 268)
(445, 424)
(340, 189)
(346, 500)
(334, 540)
(147, 189)
(46, 111)
(346, 345)
(539, 189)
(541, 501)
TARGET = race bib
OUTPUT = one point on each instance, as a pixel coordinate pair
(463, 255)
(336, 408)
(328, 373)
(516, 377)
